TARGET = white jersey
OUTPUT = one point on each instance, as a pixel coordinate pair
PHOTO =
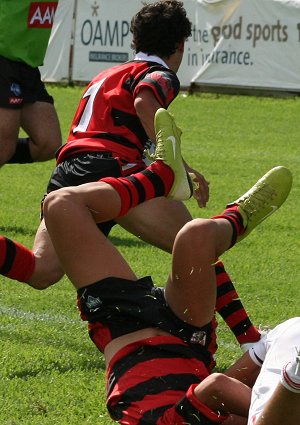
(281, 345)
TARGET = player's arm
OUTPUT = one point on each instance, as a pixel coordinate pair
(201, 194)
(146, 105)
(244, 370)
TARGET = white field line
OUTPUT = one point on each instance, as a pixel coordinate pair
(41, 317)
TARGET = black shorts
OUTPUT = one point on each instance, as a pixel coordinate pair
(85, 168)
(20, 84)
(115, 307)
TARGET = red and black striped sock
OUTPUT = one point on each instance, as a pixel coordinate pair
(16, 261)
(156, 180)
(231, 309)
(232, 214)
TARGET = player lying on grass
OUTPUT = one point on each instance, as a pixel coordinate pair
(113, 124)
(159, 343)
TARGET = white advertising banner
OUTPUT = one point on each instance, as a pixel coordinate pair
(57, 61)
(246, 43)
(102, 35)
(252, 43)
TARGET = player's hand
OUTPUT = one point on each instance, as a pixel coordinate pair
(201, 193)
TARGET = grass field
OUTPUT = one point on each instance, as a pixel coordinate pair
(50, 373)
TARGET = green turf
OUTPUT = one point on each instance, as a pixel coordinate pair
(50, 371)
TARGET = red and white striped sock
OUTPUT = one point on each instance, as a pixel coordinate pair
(290, 375)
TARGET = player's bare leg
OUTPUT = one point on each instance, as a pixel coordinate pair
(40, 122)
(9, 129)
(157, 221)
(48, 270)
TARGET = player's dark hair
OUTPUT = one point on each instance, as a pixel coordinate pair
(158, 28)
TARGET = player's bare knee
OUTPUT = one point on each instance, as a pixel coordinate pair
(49, 281)
(211, 387)
(54, 203)
(47, 270)
(199, 232)
(42, 284)
(219, 381)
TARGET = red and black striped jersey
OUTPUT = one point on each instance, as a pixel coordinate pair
(106, 119)
(152, 382)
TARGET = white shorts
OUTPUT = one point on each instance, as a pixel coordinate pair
(281, 343)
